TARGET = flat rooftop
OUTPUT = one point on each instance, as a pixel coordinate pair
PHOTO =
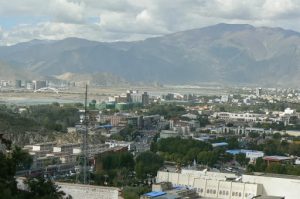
(277, 158)
(274, 175)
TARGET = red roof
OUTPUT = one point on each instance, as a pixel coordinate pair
(276, 158)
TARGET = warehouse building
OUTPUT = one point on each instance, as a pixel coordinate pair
(230, 186)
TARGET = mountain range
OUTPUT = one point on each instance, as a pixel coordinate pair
(234, 54)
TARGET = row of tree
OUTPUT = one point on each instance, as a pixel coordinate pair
(276, 147)
(262, 166)
(186, 151)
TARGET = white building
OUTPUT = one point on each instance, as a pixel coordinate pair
(93, 149)
(211, 184)
(115, 143)
(251, 154)
(289, 111)
(47, 146)
(224, 98)
(258, 92)
(136, 98)
(276, 185)
(168, 134)
(230, 186)
(65, 148)
(242, 117)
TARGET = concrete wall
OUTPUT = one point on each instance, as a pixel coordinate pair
(79, 191)
(224, 190)
(200, 185)
(211, 188)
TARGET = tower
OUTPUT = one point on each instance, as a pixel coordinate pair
(84, 140)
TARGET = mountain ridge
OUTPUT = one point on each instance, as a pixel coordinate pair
(223, 53)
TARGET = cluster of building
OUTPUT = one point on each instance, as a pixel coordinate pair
(123, 102)
(34, 84)
(64, 158)
(215, 185)
(25, 84)
(30, 84)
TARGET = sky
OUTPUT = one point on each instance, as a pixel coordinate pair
(128, 20)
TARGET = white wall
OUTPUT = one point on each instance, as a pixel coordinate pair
(78, 191)
(275, 186)
(211, 184)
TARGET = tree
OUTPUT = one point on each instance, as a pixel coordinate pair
(260, 165)
(117, 167)
(294, 149)
(21, 159)
(241, 159)
(276, 168)
(147, 163)
(38, 188)
(233, 143)
(208, 157)
(44, 189)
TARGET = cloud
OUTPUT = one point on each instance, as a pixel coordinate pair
(138, 19)
(1, 33)
(68, 12)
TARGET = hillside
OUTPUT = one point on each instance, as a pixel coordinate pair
(223, 53)
(8, 72)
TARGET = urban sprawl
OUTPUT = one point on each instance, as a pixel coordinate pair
(240, 145)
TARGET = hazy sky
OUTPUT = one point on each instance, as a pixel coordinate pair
(111, 20)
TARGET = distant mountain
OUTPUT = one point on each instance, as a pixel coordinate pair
(223, 53)
(99, 79)
(8, 72)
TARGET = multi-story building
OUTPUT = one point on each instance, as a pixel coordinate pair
(145, 99)
(258, 92)
(47, 146)
(65, 148)
(18, 83)
(37, 84)
(240, 117)
(230, 186)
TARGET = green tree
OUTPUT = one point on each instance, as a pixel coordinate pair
(241, 159)
(208, 158)
(21, 159)
(147, 163)
(44, 189)
(38, 188)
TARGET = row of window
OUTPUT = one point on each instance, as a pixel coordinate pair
(239, 194)
(225, 193)
(211, 191)
(222, 192)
